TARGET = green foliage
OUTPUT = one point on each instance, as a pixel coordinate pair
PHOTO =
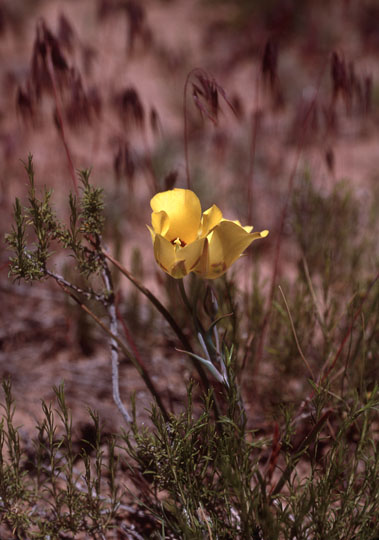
(328, 231)
(82, 236)
(212, 471)
(30, 264)
(209, 478)
(208, 481)
(92, 206)
(46, 488)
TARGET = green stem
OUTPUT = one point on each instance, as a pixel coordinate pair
(163, 311)
(199, 330)
(191, 306)
(184, 296)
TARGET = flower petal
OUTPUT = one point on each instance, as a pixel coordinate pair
(152, 233)
(160, 222)
(248, 228)
(210, 219)
(226, 243)
(175, 260)
(191, 253)
(183, 209)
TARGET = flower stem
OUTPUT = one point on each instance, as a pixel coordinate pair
(200, 333)
(163, 311)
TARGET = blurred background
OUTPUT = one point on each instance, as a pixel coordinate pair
(282, 110)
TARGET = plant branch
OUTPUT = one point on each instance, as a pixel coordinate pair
(115, 343)
(163, 311)
(111, 309)
(89, 294)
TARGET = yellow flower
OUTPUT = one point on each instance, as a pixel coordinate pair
(186, 241)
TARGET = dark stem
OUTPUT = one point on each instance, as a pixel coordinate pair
(255, 118)
(185, 118)
(199, 330)
(185, 135)
(142, 371)
(163, 311)
(50, 67)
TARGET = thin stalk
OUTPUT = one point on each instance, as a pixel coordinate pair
(203, 376)
(326, 372)
(191, 307)
(89, 294)
(184, 296)
(111, 309)
(201, 334)
(255, 118)
(50, 68)
(294, 333)
(149, 164)
(114, 336)
(219, 90)
(279, 236)
(163, 311)
(185, 123)
(302, 446)
(143, 371)
(314, 299)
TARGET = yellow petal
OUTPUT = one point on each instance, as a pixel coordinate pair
(175, 260)
(225, 244)
(248, 228)
(160, 222)
(210, 219)
(164, 253)
(183, 209)
(202, 268)
(191, 253)
(151, 232)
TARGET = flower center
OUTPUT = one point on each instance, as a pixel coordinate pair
(177, 242)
